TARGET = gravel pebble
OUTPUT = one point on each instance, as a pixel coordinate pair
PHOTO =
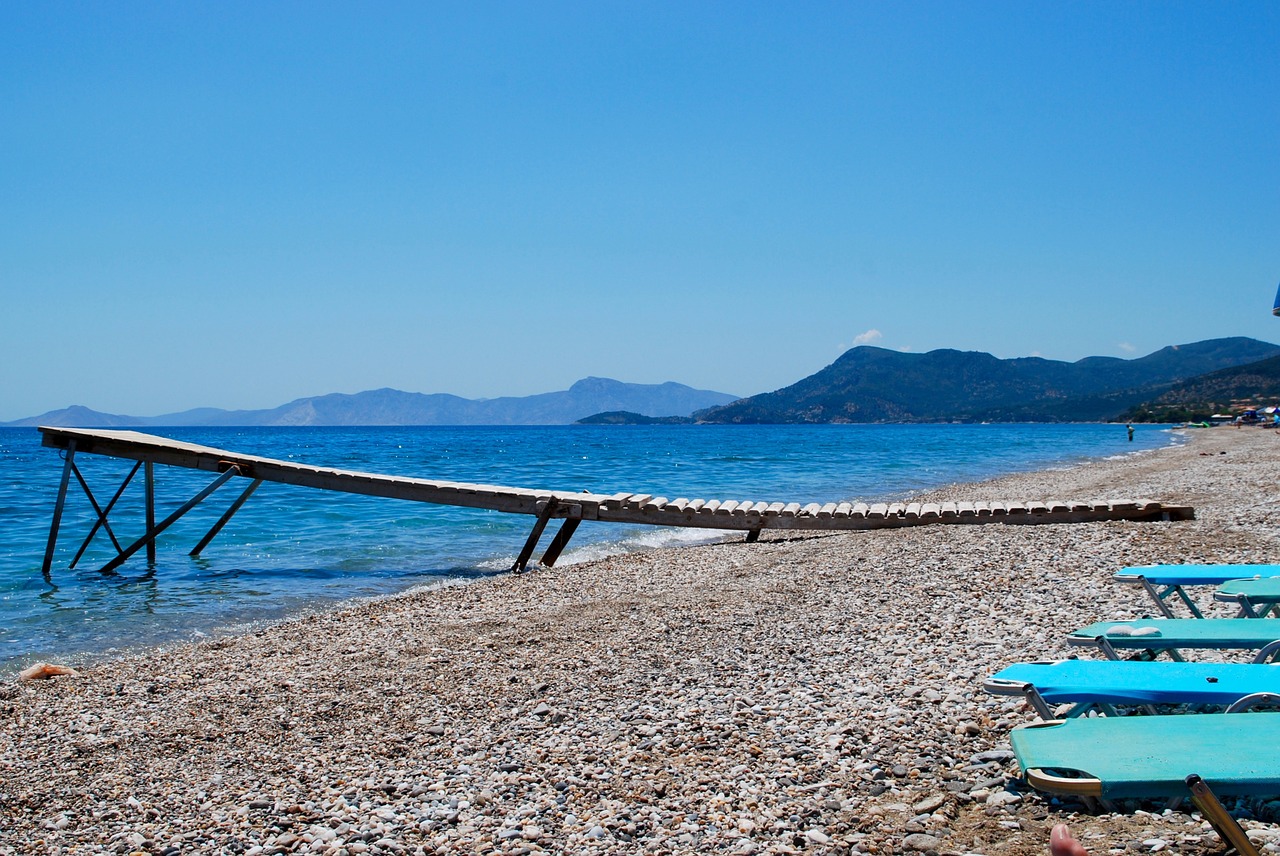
(817, 693)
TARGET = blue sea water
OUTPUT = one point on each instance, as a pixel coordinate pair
(290, 550)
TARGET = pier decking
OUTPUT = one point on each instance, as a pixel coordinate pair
(742, 515)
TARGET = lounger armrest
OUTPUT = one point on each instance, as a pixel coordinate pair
(1041, 780)
(1102, 643)
(1253, 700)
(1004, 686)
(1050, 783)
(1270, 651)
(1086, 641)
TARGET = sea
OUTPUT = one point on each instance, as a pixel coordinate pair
(291, 551)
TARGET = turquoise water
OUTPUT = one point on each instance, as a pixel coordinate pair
(291, 549)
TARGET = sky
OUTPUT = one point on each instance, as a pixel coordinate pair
(237, 204)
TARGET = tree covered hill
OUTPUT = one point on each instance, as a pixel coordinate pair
(1253, 385)
(868, 384)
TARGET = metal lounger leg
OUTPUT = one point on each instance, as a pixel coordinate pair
(1246, 608)
(1186, 599)
(1159, 597)
(1249, 609)
(1037, 702)
(1108, 650)
(1219, 817)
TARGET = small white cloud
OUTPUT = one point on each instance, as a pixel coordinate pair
(868, 338)
(1126, 347)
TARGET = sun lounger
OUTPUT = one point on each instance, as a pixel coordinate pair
(1256, 597)
(1153, 636)
(1103, 684)
(1163, 582)
(1115, 757)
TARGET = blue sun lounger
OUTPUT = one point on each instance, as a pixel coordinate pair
(1154, 636)
(1255, 597)
(1103, 684)
(1166, 581)
(1113, 757)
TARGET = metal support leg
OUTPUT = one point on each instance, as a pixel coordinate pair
(1037, 702)
(1158, 597)
(531, 543)
(217, 527)
(1108, 650)
(1190, 604)
(753, 535)
(152, 532)
(561, 541)
(151, 512)
(102, 512)
(57, 512)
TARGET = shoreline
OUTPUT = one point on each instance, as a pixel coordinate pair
(818, 694)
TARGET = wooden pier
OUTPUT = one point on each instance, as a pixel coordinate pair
(546, 505)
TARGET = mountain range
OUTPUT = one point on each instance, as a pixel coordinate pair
(869, 384)
(866, 384)
(394, 407)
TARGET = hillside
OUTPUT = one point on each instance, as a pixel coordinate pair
(868, 384)
(1195, 400)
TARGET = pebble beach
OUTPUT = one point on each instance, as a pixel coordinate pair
(814, 694)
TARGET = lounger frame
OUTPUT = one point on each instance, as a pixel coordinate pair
(1252, 602)
(1265, 643)
(1090, 788)
(1070, 688)
(1164, 583)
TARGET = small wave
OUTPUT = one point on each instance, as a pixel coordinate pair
(650, 538)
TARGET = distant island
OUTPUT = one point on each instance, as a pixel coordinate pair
(624, 417)
(865, 384)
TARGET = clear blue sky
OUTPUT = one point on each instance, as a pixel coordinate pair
(236, 204)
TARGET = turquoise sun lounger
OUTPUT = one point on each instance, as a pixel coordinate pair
(1103, 684)
(1115, 757)
(1255, 597)
(1163, 582)
(1154, 636)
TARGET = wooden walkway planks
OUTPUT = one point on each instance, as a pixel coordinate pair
(616, 508)
(137, 446)
(628, 508)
